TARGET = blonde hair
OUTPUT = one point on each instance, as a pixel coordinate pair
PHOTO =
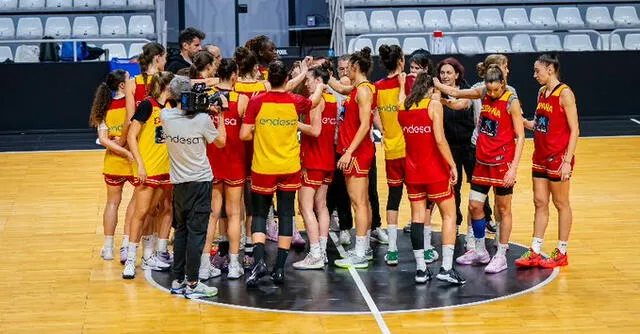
(493, 59)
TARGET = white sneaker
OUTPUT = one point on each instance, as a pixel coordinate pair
(345, 238)
(129, 271)
(201, 290)
(352, 260)
(309, 262)
(123, 255)
(208, 271)
(154, 263)
(235, 270)
(178, 288)
(380, 236)
(334, 224)
(107, 253)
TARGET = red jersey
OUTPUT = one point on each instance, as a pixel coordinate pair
(318, 153)
(496, 138)
(409, 84)
(232, 155)
(349, 122)
(423, 162)
(551, 130)
(264, 71)
(143, 83)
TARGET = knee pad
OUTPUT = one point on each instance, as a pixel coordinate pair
(478, 226)
(258, 225)
(285, 213)
(417, 236)
(260, 204)
(477, 196)
(393, 200)
(285, 225)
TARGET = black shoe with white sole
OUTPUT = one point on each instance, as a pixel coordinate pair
(450, 276)
(423, 276)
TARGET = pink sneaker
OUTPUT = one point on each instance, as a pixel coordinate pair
(472, 257)
(497, 264)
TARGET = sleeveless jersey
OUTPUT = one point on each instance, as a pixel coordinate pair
(248, 88)
(232, 155)
(496, 139)
(388, 93)
(319, 153)
(265, 72)
(408, 85)
(151, 144)
(551, 130)
(349, 122)
(142, 87)
(115, 164)
(424, 163)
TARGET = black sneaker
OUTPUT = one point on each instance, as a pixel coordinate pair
(259, 270)
(491, 226)
(450, 276)
(278, 276)
(422, 276)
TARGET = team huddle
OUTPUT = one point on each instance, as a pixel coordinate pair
(302, 131)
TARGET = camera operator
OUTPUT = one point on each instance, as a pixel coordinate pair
(188, 129)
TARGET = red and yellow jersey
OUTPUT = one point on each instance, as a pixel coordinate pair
(276, 149)
(249, 88)
(319, 153)
(265, 72)
(423, 162)
(143, 83)
(408, 85)
(388, 94)
(551, 130)
(349, 122)
(496, 137)
(151, 143)
(232, 155)
(115, 117)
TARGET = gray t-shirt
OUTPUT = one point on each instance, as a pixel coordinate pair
(187, 139)
(477, 108)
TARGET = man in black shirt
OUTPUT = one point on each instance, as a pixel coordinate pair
(190, 41)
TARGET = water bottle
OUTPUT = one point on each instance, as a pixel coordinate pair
(438, 46)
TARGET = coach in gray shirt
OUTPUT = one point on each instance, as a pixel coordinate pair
(187, 136)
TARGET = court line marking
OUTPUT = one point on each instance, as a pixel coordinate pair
(634, 120)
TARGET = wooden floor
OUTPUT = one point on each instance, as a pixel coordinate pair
(53, 279)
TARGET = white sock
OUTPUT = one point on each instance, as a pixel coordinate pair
(125, 241)
(427, 237)
(393, 237)
(536, 245)
(233, 258)
(132, 251)
(315, 250)
(108, 241)
(223, 238)
(419, 255)
(361, 245)
(470, 238)
(147, 244)
(248, 240)
(162, 245)
(248, 244)
(204, 259)
(447, 256)
(480, 246)
(323, 244)
(502, 249)
(562, 246)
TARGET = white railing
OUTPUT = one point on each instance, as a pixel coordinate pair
(75, 42)
(336, 23)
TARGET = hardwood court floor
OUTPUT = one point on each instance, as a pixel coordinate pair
(53, 279)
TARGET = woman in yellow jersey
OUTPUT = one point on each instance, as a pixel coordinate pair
(108, 115)
(146, 140)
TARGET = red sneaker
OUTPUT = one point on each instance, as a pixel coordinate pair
(529, 259)
(557, 259)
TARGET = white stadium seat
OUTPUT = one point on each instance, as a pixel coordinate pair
(542, 18)
(489, 19)
(382, 21)
(141, 3)
(32, 4)
(463, 19)
(409, 20)
(545, 43)
(470, 45)
(5, 53)
(387, 41)
(355, 22)
(360, 44)
(569, 18)
(29, 28)
(58, 27)
(577, 42)
(516, 18)
(632, 42)
(615, 43)
(86, 3)
(521, 43)
(116, 50)
(27, 54)
(497, 44)
(113, 3)
(59, 3)
(135, 49)
(85, 26)
(353, 2)
(411, 44)
(140, 25)
(436, 19)
(599, 18)
(626, 16)
(7, 30)
(113, 26)
(8, 4)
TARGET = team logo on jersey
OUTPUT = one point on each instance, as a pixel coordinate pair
(415, 129)
(388, 108)
(545, 106)
(541, 123)
(488, 126)
(116, 128)
(490, 110)
(279, 122)
(185, 140)
(230, 121)
(329, 120)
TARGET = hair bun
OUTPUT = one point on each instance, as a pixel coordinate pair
(366, 51)
(384, 50)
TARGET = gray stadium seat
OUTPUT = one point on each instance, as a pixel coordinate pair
(615, 43)
(32, 4)
(497, 44)
(626, 16)
(359, 44)
(58, 27)
(545, 43)
(598, 17)
(632, 42)
(29, 28)
(569, 18)
(521, 43)
(436, 19)
(516, 18)
(463, 19)
(469, 45)
(489, 19)
(59, 3)
(86, 3)
(85, 26)
(141, 25)
(116, 50)
(577, 42)
(8, 4)
(409, 20)
(355, 22)
(5, 53)
(141, 3)
(135, 49)
(542, 18)
(411, 44)
(113, 3)
(382, 21)
(7, 30)
(353, 2)
(113, 26)
(27, 54)
(385, 40)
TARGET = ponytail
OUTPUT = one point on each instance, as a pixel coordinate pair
(420, 88)
(104, 96)
(200, 62)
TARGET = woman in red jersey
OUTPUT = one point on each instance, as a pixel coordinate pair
(265, 50)
(317, 153)
(556, 133)
(497, 159)
(430, 173)
(108, 114)
(419, 62)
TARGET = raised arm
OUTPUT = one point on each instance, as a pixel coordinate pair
(473, 93)
(339, 87)
(315, 127)
(515, 110)
(435, 111)
(298, 79)
(568, 102)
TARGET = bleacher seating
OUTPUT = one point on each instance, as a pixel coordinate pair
(58, 27)
(32, 4)
(29, 28)
(113, 3)
(598, 17)
(516, 18)
(626, 16)
(59, 3)
(7, 30)
(116, 50)
(113, 26)
(521, 43)
(5, 53)
(577, 42)
(489, 19)
(569, 18)
(409, 20)
(382, 21)
(86, 3)
(542, 18)
(27, 54)
(470, 45)
(85, 26)
(632, 42)
(546, 43)
(135, 49)
(387, 40)
(463, 19)
(497, 44)
(412, 44)
(140, 26)
(8, 4)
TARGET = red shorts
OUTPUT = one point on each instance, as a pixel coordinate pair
(395, 172)
(314, 178)
(487, 175)
(118, 180)
(434, 192)
(155, 181)
(359, 166)
(230, 182)
(268, 184)
(550, 168)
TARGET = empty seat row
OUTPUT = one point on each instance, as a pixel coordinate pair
(83, 26)
(597, 17)
(30, 53)
(54, 4)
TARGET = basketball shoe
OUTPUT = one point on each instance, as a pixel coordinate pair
(557, 259)
(199, 291)
(450, 276)
(529, 259)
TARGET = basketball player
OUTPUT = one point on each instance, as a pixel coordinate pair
(108, 114)
(556, 133)
(265, 50)
(419, 62)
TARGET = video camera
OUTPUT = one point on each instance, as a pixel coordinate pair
(198, 99)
